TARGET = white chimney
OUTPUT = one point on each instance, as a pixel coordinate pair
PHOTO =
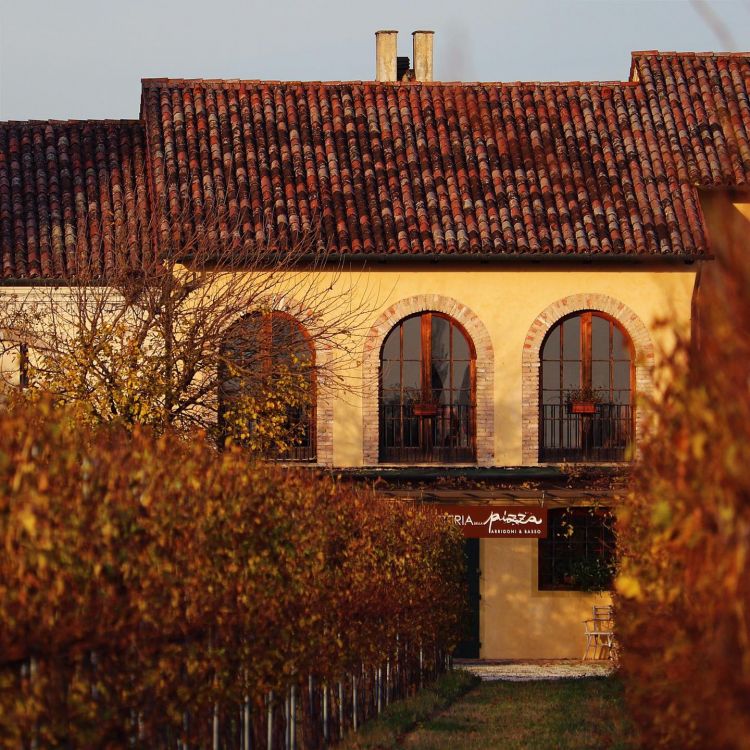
(423, 55)
(385, 55)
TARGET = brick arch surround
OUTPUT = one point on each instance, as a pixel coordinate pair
(324, 383)
(644, 359)
(485, 370)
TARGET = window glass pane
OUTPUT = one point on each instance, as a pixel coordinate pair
(577, 558)
(620, 348)
(440, 374)
(622, 375)
(252, 325)
(551, 348)
(283, 329)
(460, 345)
(411, 433)
(550, 375)
(575, 526)
(571, 435)
(608, 532)
(413, 338)
(442, 397)
(600, 377)
(412, 376)
(572, 338)
(303, 350)
(243, 342)
(288, 345)
(461, 375)
(571, 376)
(549, 434)
(392, 343)
(462, 397)
(245, 354)
(552, 434)
(391, 375)
(545, 569)
(441, 332)
(599, 337)
(391, 397)
(282, 357)
(230, 387)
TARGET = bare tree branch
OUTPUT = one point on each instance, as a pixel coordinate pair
(156, 342)
(714, 21)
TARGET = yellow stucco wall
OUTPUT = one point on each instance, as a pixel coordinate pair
(516, 620)
(508, 300)
(9, 364)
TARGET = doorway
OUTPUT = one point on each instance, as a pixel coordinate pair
(468, 647)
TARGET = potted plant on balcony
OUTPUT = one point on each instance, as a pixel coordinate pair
(419, 406)
(424, 408)
(583, 401)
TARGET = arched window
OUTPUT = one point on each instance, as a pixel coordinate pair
(586, 394)
(267, 374)
(427, 392)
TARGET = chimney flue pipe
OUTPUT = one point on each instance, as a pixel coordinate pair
(423, 55)
(385, 55)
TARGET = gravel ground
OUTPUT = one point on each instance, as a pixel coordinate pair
(528, 671)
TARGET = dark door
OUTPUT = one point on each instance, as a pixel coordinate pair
(468, 648)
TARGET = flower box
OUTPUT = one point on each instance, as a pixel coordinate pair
(424, 410)
(582, 407)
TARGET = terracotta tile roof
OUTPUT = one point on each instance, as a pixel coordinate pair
(699, 106)
(71, 191)
(412, 169)
(482, 170)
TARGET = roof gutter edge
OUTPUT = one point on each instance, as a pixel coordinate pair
(435, 259)
(533, 258)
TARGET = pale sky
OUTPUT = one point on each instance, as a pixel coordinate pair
(65, 59)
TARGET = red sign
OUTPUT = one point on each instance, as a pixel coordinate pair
(498, 521)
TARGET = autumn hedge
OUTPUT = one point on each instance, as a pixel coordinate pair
(683, 609)
(148, 584)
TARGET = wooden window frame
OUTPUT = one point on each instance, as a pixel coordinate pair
(266, 353)
(426, 388)
(546, 548)
(585, 353)
(585, 350)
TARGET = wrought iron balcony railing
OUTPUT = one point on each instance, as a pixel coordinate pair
(301, 422)
(426, 433)
(604, 435)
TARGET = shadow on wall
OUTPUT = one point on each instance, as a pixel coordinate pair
(509, 433)
(726, 213)
(347, 439)
(518, 620)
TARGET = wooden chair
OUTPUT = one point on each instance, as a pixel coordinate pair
(599, 632)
